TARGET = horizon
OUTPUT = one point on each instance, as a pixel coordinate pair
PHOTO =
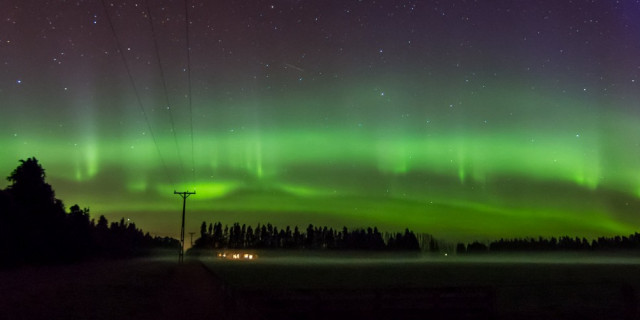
(466, 121)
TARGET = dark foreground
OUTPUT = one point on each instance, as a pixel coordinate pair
(408, 288)
(323, 288)
(153, 288)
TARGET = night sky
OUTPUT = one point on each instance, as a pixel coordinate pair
(464, 119)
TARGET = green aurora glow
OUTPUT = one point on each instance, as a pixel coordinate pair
(459, 154)
(449, 176)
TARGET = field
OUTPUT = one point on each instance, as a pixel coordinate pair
(154, 288)
(533, 287)
(303, 286)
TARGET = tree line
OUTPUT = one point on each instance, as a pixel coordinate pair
(36, 228)
(267, 236)
(565, 243)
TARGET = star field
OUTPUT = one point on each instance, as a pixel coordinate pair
(465, 119)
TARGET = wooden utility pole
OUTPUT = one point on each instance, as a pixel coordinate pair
(184, 196)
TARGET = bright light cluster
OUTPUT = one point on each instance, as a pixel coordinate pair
(237, 256)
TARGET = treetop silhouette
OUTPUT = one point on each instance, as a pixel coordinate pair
(34, 227)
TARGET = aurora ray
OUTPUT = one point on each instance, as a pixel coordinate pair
(465, 120)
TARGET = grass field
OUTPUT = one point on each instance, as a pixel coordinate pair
(320, 286)
(524, 287)
(152, 288)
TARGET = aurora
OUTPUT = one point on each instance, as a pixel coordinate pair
(463, 120)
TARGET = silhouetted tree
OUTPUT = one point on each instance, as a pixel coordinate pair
(297, 238)
(35, 228)
(39, 216)
(203, 230)
(477, 247)
(310, 240)
(78, 233)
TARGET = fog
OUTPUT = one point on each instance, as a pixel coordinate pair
(367, 258)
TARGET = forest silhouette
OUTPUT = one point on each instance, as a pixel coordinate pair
(36, 228)
(268, 236)
(553, 244)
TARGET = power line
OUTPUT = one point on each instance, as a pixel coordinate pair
(164, 86)
(135, 90)
(187, 23)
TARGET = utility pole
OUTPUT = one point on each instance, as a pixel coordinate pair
(191, 234)
(184, 196)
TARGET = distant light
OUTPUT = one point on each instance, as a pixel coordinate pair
(237, 256)
(18, 81)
